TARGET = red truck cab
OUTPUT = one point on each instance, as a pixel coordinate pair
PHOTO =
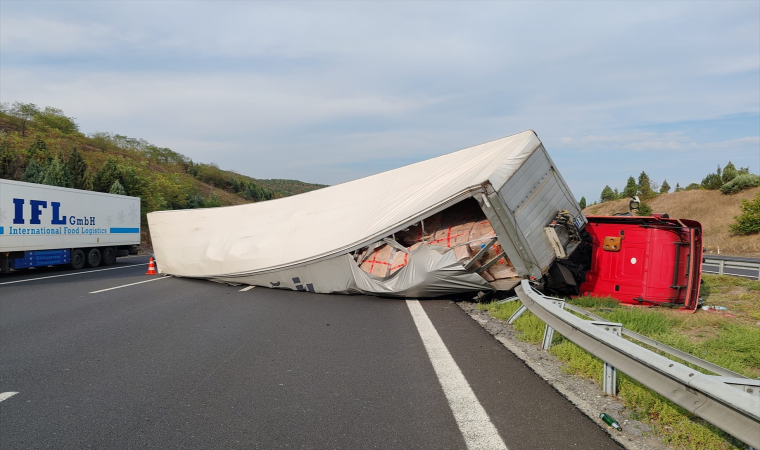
(652, 260)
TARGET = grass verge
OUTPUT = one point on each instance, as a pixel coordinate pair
(729, 339)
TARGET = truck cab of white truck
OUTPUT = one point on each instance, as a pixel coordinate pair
(44, 225)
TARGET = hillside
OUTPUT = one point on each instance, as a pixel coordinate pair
(161, 177)
(715, 211)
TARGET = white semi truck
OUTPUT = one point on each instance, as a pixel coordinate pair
(44, 225)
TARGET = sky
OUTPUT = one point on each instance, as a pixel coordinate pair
(328, 92)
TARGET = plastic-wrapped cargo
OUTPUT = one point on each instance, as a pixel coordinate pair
(472, 220)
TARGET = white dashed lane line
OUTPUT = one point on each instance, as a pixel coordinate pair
(247, 288)
(7, 395)
(127, 285)
(70, 274)
(478, 431)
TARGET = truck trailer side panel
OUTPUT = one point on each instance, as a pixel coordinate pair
(36, 217)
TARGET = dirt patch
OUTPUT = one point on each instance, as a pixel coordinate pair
(583, 393)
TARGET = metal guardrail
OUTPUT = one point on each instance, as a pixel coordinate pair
(731, 403)
(732, 265)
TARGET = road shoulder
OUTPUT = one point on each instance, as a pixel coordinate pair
(582, 393)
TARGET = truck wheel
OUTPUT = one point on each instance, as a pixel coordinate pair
(109, 256)
(93, 257)
(77, 259)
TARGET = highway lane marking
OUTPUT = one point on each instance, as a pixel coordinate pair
(248, 288)
(7, 395)
(127, 285)
(478, 431)
(70, 274)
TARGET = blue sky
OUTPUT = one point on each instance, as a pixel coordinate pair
(327, 92)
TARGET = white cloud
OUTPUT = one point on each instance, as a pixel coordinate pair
(329, 86)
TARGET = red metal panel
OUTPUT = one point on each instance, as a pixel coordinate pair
(659, 260)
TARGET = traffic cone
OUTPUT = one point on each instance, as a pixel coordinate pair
(151, 268)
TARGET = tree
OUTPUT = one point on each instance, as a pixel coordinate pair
(54, 118)
(729, 172)
(34, 173)
(195, 201)
(10, 159)
(112, 171)
(678, 188)
(631, 188)
(56, 174)
(582, 203)
(77, 168)
(644, 210)
(665, 188)
(645, 186)
(24, 112)
(712, 181)
(693, 187)
(213, 201)
(607, 194)
(88, 180)
(107, 174)
(117, 188)
(748, 222)
(39, 152)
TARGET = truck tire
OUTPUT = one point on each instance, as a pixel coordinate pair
(109, 256)
(93, 257)
(77, 258)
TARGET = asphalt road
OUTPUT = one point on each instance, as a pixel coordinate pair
(180, 363)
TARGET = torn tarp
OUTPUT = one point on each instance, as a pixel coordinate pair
(321, 241)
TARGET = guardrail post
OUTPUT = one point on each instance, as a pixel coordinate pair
(609, 377)
(516, 315)
(549, 331)
(721, 264)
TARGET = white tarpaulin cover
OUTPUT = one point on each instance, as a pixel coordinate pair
(304, 242)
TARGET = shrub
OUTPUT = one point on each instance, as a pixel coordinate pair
(740, 182)
(644, 210)
(749, 220)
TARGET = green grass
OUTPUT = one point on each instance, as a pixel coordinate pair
(729, 340)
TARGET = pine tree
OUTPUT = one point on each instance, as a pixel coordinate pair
(582, 203)
(34, 173)
(631, 188)
(607, 194)
(678, 188)
(665, 188)
(645, 186)
(117, 188)
(729, 172)
(39, 152)
(77, 168)
(107, 175)
(56, 174)
(88, 180)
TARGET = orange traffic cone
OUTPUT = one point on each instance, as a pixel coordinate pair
(151, 268)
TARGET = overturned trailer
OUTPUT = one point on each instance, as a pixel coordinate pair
(479, 219)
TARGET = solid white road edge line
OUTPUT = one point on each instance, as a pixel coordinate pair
(7, 395)
(247, 288)
(70, 274)
(478, 431)
(130, 284)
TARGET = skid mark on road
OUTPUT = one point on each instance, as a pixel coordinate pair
(478, 431)
(70, 274)
(127, 285)
(7, 395)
